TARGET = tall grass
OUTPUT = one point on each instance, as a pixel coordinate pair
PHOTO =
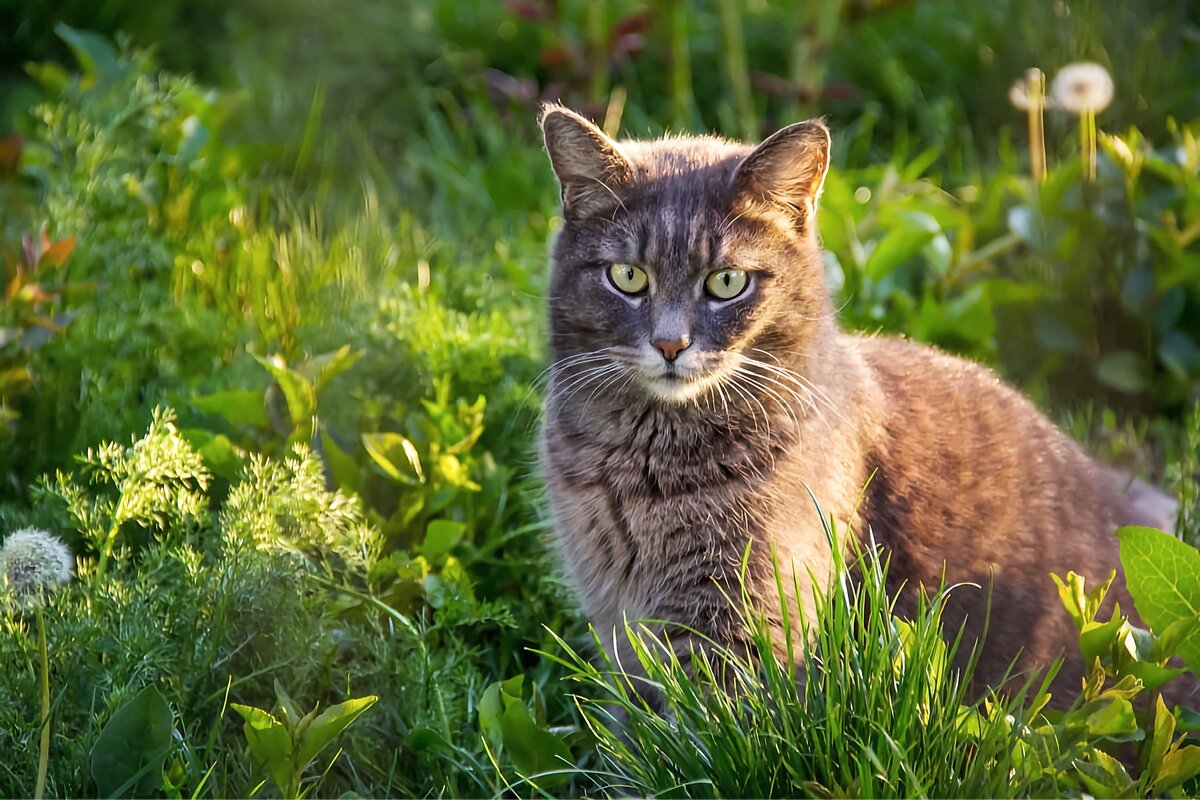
(878, 707)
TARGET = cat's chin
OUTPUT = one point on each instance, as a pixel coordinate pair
(675, 390)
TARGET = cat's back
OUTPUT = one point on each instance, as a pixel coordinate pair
(970, 477)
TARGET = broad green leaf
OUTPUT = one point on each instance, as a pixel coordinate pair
(1104, 776)
(1179, 353)
(238, 407)
(901, 243)
(1150, 674)
(1096, 640)
(297, 390)
(96, 55)
(396, 455)
(490, 708)
(1163, 575)
(1124, 371)
(220, 454)
(129, 753)
(322, 369)
(326, 726)
(346, 473)
(534, 750)
(270, 744)
(1177, 767)
(1112, 718)
(441, 535)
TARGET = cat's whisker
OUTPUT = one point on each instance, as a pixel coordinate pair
(803, 397)
(578, 382)
(804, 383)
(610, 380)
(765, 384)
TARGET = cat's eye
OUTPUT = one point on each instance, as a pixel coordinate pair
(726, 284)
(628, 278)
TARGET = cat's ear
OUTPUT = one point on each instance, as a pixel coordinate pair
(590, 167)
(787, 169)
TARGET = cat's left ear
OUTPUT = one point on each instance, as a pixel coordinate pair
(787, 169)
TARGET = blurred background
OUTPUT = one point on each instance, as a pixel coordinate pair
(301, 222)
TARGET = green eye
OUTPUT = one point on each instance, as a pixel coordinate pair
(726, 284)
(628, 278)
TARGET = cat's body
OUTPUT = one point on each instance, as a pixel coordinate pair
(702, 389)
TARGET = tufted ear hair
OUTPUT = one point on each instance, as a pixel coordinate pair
(590, 167)
(787, 169)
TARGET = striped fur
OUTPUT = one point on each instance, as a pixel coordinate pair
(656, 497)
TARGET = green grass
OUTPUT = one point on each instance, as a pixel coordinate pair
(333, 269)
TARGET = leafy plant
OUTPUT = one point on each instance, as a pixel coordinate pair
(1127, 662)
(158, 482)
(128, 756)
(285, 747)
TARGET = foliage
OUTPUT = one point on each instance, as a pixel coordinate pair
(333, 267)
(880, 708)
(285, 747)
(1136, 662)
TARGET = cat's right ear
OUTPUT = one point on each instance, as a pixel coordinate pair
(787, 170)
(590, 167)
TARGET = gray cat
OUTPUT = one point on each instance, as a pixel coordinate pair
(701, 387)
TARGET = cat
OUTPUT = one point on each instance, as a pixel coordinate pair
(701, 388)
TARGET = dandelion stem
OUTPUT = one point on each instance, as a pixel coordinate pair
(1037, 130)
(1087, 138)
(44, 679)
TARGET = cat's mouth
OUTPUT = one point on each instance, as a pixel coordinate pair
(674, 384)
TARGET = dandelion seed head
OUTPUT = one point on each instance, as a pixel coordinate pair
(1083, 87)
(33, 562)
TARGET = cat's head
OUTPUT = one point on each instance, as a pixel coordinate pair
(684, 260)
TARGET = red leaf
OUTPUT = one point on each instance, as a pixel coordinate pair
(57, 253)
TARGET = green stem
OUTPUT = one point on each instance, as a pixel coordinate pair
(44, 749)
(682, 100)
(739, 71)
(1036, 82)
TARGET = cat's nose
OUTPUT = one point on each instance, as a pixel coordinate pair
(671, 348)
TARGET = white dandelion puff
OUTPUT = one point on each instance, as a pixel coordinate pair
(1083, 88)
(33, 562)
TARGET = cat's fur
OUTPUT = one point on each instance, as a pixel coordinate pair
(658, 480)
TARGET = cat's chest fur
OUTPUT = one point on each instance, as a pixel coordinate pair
(655, 507)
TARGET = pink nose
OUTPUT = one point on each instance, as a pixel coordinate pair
(671, 348)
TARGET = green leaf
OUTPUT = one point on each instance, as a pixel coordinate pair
(534, 750)
(220, 454)
(1112, 718)
(1150, 674)
(270, 744)
(324, 368)
(1179, 354)
(238, 407)
(96, 56)
(441, 535)
(346, 473)
(299, 393)
(1104, 776)
(396, 455)
(327, 725)
(1177, 767)
(1124, 371)
(1096, 639)
(1164, 734)
(901, 243)
(130, 751)
(1163, 575)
